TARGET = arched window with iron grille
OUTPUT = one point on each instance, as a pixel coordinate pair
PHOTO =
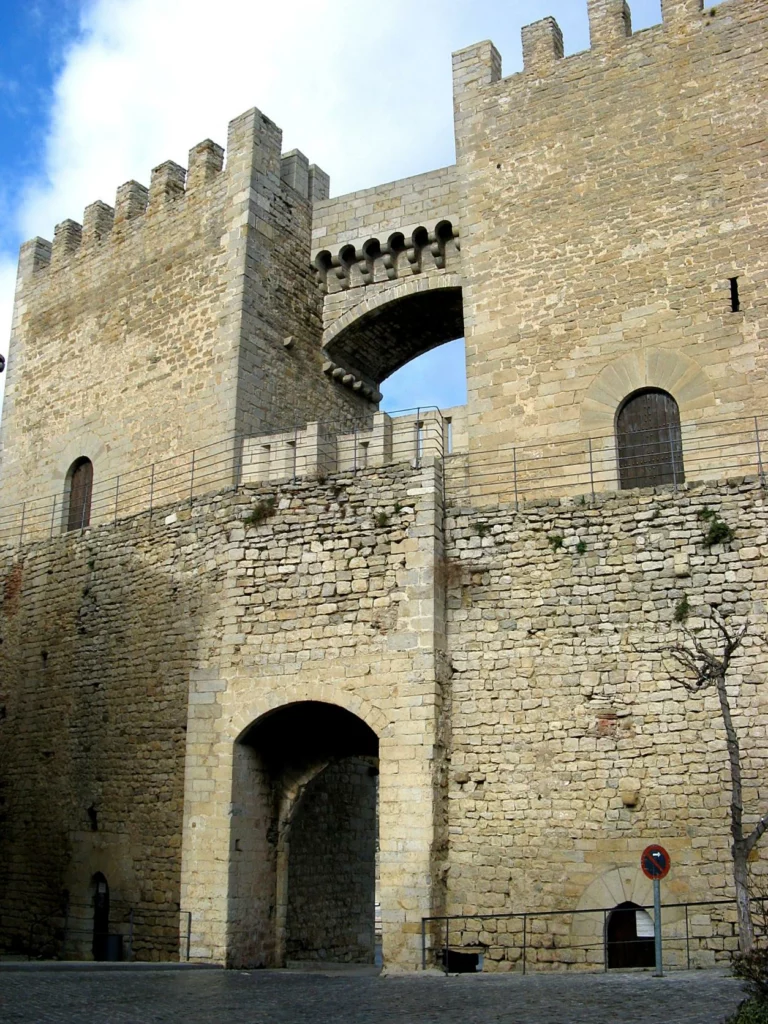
(649, 441)
(80, 487)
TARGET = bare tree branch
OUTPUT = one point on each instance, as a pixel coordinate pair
(754, 837)
(703, 668)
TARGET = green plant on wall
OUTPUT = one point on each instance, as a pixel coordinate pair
(682, 609)
(260, 512)
(555, 541)
(718, 531)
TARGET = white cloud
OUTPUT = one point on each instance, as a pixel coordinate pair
(150, 79)
(364, 90)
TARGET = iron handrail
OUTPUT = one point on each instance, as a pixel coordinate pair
(526, 916)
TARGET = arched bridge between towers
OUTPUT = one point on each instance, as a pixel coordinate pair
(388, 265)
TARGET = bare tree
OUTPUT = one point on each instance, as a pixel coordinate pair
(698, 668)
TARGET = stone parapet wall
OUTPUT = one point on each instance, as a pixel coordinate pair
(398, 206)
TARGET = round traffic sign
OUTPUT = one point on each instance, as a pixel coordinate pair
(655, 862)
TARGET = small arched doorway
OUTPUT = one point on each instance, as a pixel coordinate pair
(302, 880)
(629, 937)
(100, 916)
(649, 440)
(79, 494)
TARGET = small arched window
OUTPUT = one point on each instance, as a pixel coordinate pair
(649, 441)
(80, 478)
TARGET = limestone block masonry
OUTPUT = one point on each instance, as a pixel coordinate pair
(509, 724)
(269, 655)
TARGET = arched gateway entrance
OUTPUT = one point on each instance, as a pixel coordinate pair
(304, 833)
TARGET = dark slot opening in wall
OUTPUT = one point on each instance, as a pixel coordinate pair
(735, 301)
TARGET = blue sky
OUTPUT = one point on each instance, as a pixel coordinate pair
(35, 39)
(95, 92)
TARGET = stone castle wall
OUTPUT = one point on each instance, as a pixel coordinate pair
(532, 704)
(114, 338)
(97, 643)
(184, 316)
(529, 743)
(166, 639)
(571, 749)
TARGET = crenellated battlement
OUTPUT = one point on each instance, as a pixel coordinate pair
(172, 307)
(315, 450)
(610, 26)
(171, 189)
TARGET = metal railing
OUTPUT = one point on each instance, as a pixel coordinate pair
(503, 474)
(695, 934)
(309, 450)
(514, 473)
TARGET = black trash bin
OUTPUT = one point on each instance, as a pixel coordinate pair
(113, 951)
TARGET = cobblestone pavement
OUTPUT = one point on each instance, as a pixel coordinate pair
(274, 997)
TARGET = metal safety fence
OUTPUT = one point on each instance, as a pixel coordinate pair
(694, 935)
(498, 473)
(309, 450)
(692, 452)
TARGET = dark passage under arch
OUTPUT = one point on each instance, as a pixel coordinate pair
(387, 337)
(304, 807)
(628, 943)
(100, 917)
(649, 440)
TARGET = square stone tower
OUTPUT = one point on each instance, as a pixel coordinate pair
(183, 319)
(609, 200)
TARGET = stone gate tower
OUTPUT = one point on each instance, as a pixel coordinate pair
(269, 655)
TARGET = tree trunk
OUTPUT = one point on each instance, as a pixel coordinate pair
(743, 909)
(739, 849)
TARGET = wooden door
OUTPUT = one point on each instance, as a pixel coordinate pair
(649, 441)
(80, 490)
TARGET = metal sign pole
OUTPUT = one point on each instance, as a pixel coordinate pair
(659, 973)
(655, 864)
